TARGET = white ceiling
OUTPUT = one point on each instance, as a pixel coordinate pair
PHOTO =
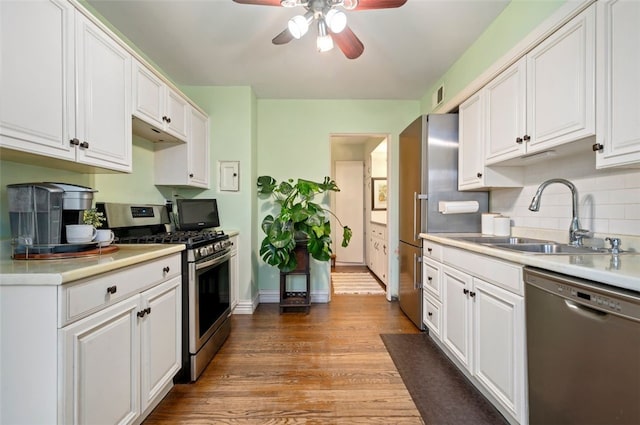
(222, 43)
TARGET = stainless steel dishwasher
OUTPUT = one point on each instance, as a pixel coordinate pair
(583, 349)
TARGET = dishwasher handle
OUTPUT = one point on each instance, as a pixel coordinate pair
(586, 311)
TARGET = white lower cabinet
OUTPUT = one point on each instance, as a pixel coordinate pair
(103, 350)
(378, 254)
(479, 323)
(119, 360)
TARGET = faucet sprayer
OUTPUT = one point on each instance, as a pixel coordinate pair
(575, 232)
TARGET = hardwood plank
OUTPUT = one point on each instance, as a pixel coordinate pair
(326, 367)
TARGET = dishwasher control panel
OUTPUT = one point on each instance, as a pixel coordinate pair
(600, 297)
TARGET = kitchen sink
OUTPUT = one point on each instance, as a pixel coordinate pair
(532, 246)
(503, 240)
(550, 248)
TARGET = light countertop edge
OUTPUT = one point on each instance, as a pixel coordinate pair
(594, 267)
(58, 272)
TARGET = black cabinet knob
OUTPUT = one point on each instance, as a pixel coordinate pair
(112, 289)
(74, 142)
(84, 145)
(166, 269)
(479, 175)
(430, 314)
(597, 147)
(465, 291)
(519, 140)
(526, 137)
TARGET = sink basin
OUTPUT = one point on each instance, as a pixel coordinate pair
(550, 248)
(503, 240)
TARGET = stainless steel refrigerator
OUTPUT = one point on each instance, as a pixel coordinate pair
(428, 175)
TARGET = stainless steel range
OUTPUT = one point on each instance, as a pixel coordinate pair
(205, 271)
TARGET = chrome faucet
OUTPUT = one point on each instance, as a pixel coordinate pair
(575, 232)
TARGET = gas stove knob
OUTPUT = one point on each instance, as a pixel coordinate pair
(216, 246)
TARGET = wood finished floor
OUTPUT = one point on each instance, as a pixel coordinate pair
(327, 367)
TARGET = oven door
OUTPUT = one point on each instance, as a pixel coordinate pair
(209, 286)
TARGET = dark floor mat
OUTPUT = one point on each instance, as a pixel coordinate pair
(442, 394)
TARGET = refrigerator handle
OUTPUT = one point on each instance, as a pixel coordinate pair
(417, 282)
(417, 197)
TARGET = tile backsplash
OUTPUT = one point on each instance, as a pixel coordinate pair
(608, 200)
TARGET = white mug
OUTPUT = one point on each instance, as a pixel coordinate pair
(80, 233)
(104, 237)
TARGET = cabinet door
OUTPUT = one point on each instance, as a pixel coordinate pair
(198, 147)
(505, 105)
(177, 115)
(456, 317)
(498, 356)
(149, 94)
(37, 106)
(470, 153)
(104, 99)
(101, 366)
(561, 85)
(161, 338)
(618, 83)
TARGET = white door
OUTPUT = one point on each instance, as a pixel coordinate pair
(349, 207)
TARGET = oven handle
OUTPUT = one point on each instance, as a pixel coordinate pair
(214, 261)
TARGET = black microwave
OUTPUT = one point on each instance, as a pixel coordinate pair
(194, 214)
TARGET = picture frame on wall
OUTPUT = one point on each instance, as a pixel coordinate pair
(379, 193)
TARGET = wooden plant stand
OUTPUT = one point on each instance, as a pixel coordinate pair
(300, 300)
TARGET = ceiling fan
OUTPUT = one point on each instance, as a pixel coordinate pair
(330, 21)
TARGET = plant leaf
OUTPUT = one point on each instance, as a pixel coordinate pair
(266, 185)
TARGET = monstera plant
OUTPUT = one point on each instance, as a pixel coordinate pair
(299, 219)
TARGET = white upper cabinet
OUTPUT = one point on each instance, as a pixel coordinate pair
(472, 172)
(547, 98)
(185, 164)
(618, 107)
(66, 88)
(561, 85)
(103, 127)
(505, 100)
(37, 109)
(158, 105)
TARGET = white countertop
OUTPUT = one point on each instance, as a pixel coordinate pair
(57, 272)
(596, 267)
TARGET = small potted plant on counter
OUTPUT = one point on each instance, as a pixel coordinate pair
(299, 219)
(93, 217)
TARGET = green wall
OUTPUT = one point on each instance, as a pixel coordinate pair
(294, 141)
(515, 22)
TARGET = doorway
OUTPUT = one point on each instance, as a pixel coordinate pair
(368, 245)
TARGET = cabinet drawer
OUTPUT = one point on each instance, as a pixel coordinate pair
(431, 277)
(500, 273)
(432, 250)
(431, 314)
(90, 295)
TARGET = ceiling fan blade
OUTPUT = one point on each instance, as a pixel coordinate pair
(349, 43)
(377, 4)
(283, 38)
(260, 2)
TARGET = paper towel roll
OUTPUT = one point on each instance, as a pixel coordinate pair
(487, 223)
(458, 207)
(502, 226)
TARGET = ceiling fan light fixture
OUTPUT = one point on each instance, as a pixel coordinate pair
(299, 25)
(336, 20)
(288, 3)
(324, 42)
(350, 4)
